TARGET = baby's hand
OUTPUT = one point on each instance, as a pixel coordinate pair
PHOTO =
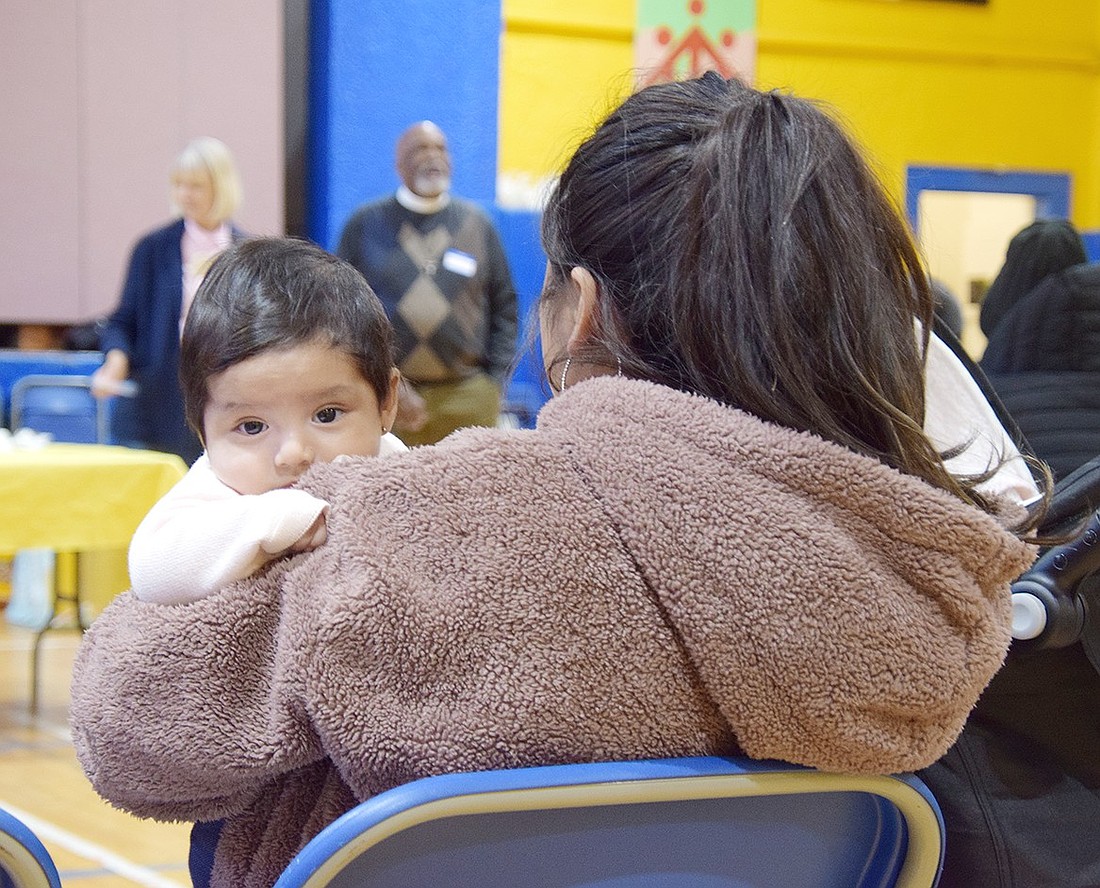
(312, 538)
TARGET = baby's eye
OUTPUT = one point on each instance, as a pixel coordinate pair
(328, 414)
(252, 426)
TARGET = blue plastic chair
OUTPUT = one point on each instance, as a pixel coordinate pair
(16, 363)
(61, 405)
(24, 860)
(673, 823)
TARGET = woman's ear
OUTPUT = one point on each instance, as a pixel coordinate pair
(586, 320)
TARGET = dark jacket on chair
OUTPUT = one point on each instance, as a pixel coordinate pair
(1043, 359)
(1020, 789)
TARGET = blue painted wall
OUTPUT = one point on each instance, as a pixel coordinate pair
(1092, 244)
(519, 233)
(375, 68)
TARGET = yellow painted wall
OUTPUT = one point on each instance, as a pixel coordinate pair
(1012, 84)
(564, 65)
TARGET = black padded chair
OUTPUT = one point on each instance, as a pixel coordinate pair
(1057, 412)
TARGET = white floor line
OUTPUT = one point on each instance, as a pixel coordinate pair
(23, 719)
(120, 866)
(57, 733)
(51, 641)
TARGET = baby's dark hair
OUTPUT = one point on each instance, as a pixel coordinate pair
(275, 293)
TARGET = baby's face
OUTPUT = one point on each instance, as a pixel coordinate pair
(271, 416)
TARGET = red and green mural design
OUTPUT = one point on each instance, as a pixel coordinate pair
(676, 39)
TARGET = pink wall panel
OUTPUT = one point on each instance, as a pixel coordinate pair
(241, 59)
(39, 225)
(130, 105)
(114, 89)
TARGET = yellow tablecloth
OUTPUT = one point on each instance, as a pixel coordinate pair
(86, 499)
(80, 497)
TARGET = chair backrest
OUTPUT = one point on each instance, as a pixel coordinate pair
(61, 405)
(24, 860)
(672, 823)
(15, 363)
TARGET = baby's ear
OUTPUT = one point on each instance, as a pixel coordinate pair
(388, 400)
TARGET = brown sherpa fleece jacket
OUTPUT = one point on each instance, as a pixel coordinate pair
(648, 573)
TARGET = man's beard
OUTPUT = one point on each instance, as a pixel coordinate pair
(431, 184)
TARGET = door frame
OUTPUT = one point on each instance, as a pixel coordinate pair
(1050, 190)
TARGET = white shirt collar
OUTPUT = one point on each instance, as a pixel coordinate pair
(423, 205)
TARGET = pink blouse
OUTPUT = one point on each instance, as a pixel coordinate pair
(200, 247)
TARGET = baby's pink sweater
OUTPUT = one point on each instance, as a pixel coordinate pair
(203, 535)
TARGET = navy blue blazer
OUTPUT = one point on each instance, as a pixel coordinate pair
(145, 326)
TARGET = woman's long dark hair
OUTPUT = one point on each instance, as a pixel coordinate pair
(745, 251)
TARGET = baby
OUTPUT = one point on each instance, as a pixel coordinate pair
(286, 359)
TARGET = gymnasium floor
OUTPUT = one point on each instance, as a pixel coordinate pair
(93, 845)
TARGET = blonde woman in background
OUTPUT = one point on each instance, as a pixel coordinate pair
(141, 337)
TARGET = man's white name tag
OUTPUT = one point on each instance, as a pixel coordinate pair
(460, 263)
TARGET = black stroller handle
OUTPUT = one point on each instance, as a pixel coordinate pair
(1048, 609)
(1075, 498)
(1049, 606)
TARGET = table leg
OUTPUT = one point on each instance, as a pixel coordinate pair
(59, 598)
